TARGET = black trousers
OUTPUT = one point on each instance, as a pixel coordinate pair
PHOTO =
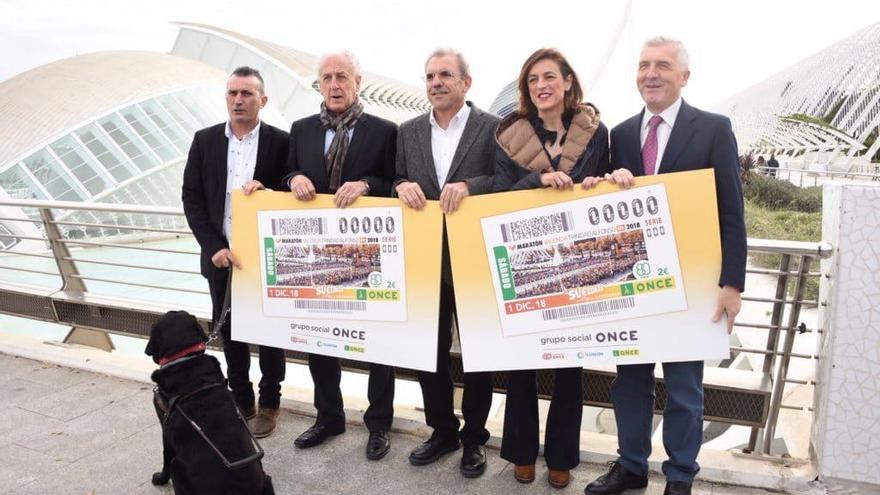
(327, 373)
(562, 436)
(437, 388)
(238, 356)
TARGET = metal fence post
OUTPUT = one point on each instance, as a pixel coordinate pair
(773, 334)
(72, 284)
(782, 371)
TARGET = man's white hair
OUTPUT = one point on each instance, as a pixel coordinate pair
(684, 60)
(352, 60)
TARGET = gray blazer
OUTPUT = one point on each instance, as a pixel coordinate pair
(472, 163)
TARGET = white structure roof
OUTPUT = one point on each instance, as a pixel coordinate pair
(827, 104)
(48, 100)
(291, 75)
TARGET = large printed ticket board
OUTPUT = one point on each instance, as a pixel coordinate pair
(574, 278)
(358, 283)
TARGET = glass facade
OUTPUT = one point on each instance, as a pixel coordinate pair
(134, 155)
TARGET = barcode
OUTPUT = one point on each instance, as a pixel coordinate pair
(588, 308)
(299, 226)
(330, 305)
(537, 226)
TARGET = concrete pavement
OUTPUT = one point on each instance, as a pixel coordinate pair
(68, 431)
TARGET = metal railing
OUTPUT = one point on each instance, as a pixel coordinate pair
(70, 302)
(802, 177)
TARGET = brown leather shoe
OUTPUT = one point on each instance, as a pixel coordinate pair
(265, 422)
(559, 478)
(524, 473)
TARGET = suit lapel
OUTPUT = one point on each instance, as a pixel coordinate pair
(219, 162)
(468, 136)
(314, 153)
(681, 135)
(424, 138)
(263, 147)
(633, 135)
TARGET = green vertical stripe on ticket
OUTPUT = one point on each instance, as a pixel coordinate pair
(505, 276)
(269, 247)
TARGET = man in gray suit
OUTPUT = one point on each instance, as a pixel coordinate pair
(447, 154)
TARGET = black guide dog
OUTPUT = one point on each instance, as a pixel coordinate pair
(206, 445)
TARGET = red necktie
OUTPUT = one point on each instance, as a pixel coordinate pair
(649, 150)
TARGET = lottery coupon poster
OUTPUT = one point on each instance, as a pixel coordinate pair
(550, 279)
(357, 283)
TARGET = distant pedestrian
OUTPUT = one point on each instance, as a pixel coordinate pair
(772, 165)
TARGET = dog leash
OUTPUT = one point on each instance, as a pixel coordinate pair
(224, 312)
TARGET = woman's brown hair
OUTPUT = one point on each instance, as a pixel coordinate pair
(573, 96)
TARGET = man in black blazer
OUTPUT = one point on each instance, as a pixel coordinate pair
(347, 153)
(248, 154)
(448, 154)
(671, 136)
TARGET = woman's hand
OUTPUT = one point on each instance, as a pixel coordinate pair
(556, 180)
(591, 182)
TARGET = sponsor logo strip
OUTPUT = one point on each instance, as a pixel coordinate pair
(332, 293)
(585, 294)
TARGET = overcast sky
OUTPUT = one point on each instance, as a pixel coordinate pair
(733, 44)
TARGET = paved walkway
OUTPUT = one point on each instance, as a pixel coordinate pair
(66, 431)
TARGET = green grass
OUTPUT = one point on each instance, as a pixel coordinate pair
(765, 223)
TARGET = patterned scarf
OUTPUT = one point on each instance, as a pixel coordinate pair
(340, 123)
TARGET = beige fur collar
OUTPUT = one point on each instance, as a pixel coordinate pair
(521, 143)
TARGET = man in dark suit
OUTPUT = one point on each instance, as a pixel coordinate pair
(671, 136)
(248, 154)
(347, 153)
(447, 154)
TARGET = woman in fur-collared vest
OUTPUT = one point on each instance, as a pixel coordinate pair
(553, 140)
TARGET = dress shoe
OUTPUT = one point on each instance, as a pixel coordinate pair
(248, 412)
(265, 422)
(378, 445)
(473, 461)
(559, 478)
(524, 473)
(615, 481)
(677, 488)
(434, 448)
(316, 435)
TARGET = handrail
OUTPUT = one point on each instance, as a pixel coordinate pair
(796, 258)
(85, 206)
(821, 249)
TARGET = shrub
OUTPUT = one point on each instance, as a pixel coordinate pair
(777, 194)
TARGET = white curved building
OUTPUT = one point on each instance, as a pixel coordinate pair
(115, 127)
(109, 127)
(292, 74)
(823, 111)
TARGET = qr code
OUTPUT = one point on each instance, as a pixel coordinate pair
(299, 226)
(537, 226)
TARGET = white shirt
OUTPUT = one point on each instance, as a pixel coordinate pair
(330, 134)
(444, 142)
(663, 130)
(241, 161)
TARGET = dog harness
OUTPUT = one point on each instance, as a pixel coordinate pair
(170, 404)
